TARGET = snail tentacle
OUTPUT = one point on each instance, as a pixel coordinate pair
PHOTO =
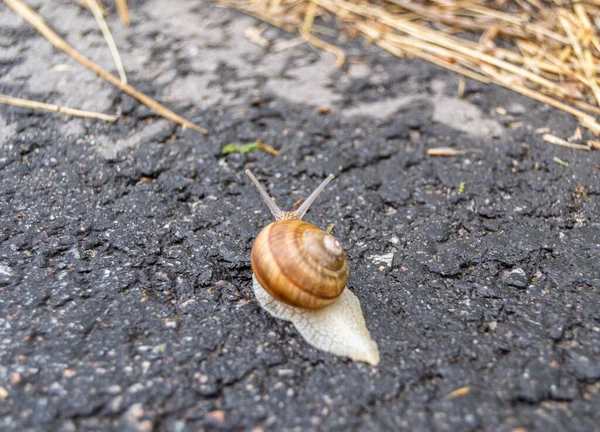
(278, 214)
(312, 197)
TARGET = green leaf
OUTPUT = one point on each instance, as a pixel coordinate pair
(560, 162)
(241, 148)
(249, 147)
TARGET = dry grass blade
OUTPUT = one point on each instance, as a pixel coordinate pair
(84, 4)
(444, 62)
(449, 151)
(442, 40)
(38, 23)
(35, 105)
(552, 139)
(112, 46)
(552, 56)
(269, 149)
(254, 35)
(531, 29)
(594, 144)
(585, 119)
(319, 43)
(462, 391)
(123, 11)
(460, 93)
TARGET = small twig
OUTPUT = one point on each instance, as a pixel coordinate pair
(35, 105)
(112, 46)
(37, 22)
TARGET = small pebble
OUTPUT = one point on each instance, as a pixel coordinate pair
(517, 109)
(218, 416)
(6, 275)
(516, 278)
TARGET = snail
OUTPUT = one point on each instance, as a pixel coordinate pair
(299, 274)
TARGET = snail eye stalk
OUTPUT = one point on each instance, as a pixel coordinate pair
(312, 197)
(276, 211)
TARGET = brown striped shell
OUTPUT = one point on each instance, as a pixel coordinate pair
(299, 264)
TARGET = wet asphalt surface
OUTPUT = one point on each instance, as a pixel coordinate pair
(125, 280)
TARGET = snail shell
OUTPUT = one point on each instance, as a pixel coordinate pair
(299, 264)
(300, 274)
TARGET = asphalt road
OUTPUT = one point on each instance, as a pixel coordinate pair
(125, 281)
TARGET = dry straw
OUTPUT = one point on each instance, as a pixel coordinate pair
(37, 22)
(35, 105)
(546, 50)
(123, 11)
(94, 7)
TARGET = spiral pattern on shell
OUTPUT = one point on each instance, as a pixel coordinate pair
(299, 264)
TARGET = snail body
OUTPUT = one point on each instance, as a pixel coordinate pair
(300, 274)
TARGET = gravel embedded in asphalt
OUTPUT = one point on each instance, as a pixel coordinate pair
(125, 281)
